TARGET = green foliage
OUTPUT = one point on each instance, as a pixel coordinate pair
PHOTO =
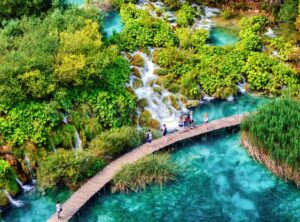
(288, 11)
(68, 168)
(265, 73)
(64, 64)
(8, 178)
(275, 128)
(297, 23)
(17, 8)
(28, 121)
(115, 142)
(249, 35)
(185, 15)
(152, 169)
(141, 29)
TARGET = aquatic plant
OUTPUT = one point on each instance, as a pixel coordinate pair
(275, 127)
(152, 169)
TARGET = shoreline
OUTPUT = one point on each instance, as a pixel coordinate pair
(281, 170)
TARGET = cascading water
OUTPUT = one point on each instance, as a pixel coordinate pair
(158, 104)
(25, 188)
(78, 141)
(203, 13)
(30, 169)
(241, 86)
(16, 203)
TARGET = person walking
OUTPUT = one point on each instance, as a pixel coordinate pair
(186, 123)
(148, 137)
(192, 124)
(58, 209)
(164, 132)
(205, 117)
(181, 123)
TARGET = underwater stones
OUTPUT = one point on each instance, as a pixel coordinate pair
(138, 60)
(137, 83)
(136, 72)
(142, 103)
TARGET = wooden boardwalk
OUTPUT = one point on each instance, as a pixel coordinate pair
(96, 183)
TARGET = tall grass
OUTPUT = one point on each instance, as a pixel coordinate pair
(152, 169)
(276, 128)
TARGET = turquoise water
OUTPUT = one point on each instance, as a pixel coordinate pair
(218, 182)
(221, 37)
(75, 2)
(112, 23)
(37, 207)
(221, 108)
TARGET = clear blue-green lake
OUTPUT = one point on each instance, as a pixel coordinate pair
(222, 37)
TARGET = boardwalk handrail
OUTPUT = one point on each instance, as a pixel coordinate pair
(97, 182)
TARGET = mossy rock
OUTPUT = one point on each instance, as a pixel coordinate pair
(138, 60)
(3, 200)
(192, 103)
(145, 118)
(151, 82)
(154, 124)
(173, 87)
(183, 100)
(157, 89)
(137, 83)
(131, 90)
(128, 56)
(136, 72)
(142, 103)
(174, 102)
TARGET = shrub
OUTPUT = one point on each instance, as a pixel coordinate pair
(8, 178)
(152, 169)
(115, 142)
(67, 168)
(288, 11)
(185, 15)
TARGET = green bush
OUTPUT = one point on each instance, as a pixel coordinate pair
(67, 168)
(115, 142)
(8, 178)
(185, 15)
(152, 169)
(288, 11)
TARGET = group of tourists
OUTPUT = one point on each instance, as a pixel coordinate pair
(185, 122)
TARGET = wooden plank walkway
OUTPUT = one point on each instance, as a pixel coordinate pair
(96, 183)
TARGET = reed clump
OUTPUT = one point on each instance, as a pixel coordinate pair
(152, 169)
(275, 128)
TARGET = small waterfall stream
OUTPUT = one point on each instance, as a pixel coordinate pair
(78, 141)
(25, 188)
(30, 169)
(16, 203)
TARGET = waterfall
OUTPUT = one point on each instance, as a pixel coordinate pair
(241, 86)
(159, 104)
(25, 188)
(230, 98)
(30, 169)
(16, 203)
(65, 119)
(203, 13)
(270, 33)
(78, 141)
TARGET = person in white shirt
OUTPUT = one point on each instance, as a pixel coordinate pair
(58, 209)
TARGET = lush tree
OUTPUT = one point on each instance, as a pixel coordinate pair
(17, 8)
(288, 11)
